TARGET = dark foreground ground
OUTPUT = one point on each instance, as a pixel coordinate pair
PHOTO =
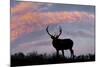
(19, 59)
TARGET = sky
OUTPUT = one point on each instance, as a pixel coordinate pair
(30, 19)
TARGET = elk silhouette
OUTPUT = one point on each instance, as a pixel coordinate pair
(61, 44)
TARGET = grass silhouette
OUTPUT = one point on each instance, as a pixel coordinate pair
(19, 59)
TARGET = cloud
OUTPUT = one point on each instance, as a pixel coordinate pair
(33, 21)
(80, 34)
(23, 7)
(26, 17)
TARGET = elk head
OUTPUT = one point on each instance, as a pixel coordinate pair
(56, 36)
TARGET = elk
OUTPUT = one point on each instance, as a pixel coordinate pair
(61, 44)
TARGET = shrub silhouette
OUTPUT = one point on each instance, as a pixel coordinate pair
(19, 59)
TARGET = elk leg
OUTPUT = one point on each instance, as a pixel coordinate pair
(57, 52)
(72, 53)
(63, 53)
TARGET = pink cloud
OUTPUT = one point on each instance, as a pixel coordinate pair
(23, 7)
(34, 21)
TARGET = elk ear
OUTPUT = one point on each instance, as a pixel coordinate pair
(52, 37)
(56, 37)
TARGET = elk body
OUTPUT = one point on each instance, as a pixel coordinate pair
(61, 44)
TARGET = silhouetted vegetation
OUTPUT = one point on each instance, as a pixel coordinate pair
(19, 59)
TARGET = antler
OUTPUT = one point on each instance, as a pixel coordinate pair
(48, 31)
(60, 30)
